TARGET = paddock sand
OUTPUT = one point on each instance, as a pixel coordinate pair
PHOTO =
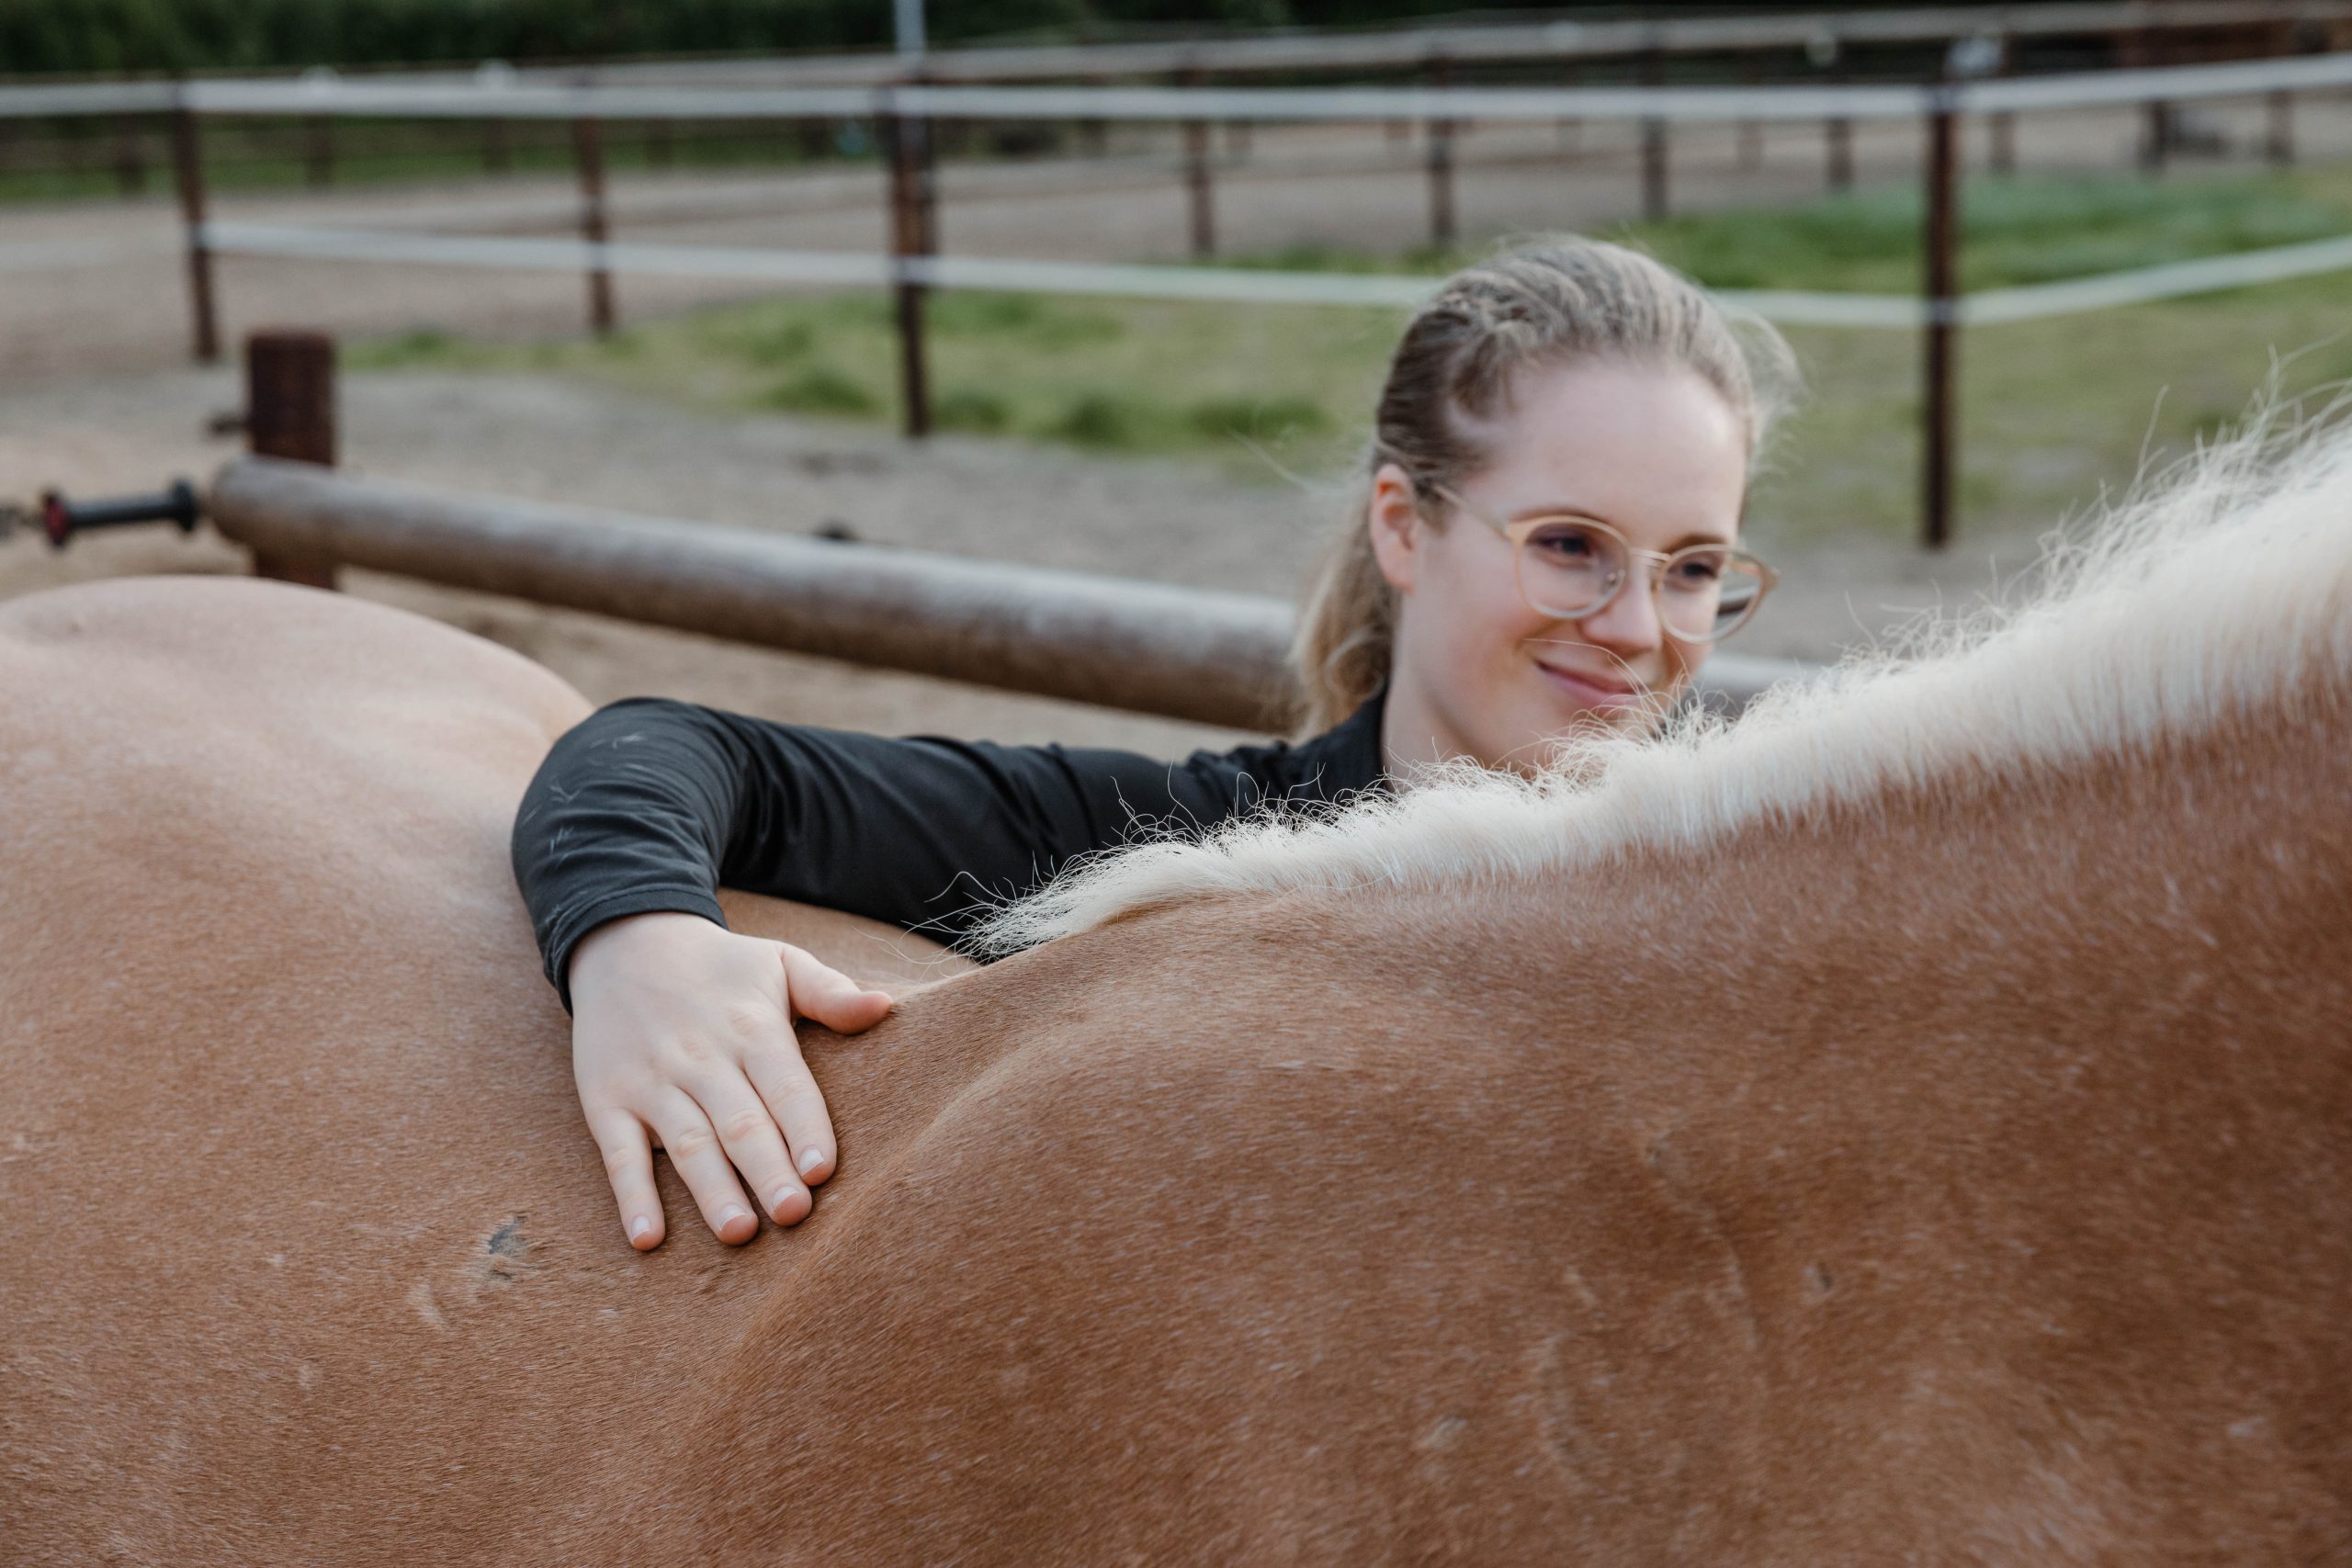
(559, 441)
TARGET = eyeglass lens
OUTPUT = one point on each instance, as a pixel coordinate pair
(1570, 569)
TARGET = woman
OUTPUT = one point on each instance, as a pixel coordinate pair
(1547, 538)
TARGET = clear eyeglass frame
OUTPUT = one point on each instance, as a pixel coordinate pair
(1519, 532)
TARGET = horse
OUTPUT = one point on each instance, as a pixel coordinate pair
(1910, 1123)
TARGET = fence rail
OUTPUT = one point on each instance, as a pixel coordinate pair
(1145, 647)
(1413, 47)
(500, 98)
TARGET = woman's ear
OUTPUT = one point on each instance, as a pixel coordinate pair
(1394, 517)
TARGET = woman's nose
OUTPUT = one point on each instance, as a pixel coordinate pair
(1629, 623)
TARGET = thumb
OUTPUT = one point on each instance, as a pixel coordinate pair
(822, 993)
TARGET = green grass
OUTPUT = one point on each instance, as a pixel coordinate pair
(2050, 410)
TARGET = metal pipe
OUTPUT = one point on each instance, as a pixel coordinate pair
(60, 518)
(1146, 647)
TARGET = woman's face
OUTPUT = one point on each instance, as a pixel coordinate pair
(1653, 451)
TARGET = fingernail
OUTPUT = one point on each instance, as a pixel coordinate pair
(810, 1159)
(730, 1214)
(782, 1196)
(639, 1228)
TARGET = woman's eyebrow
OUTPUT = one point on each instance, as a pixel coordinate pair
(1689, 539)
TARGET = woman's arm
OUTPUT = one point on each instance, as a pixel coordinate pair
(682, 1032)
(651, 804)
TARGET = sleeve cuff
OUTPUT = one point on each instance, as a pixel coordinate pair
(573, 926)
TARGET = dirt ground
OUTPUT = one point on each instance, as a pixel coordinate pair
(96, 397)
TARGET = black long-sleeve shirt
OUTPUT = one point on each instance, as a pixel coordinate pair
(652, 805)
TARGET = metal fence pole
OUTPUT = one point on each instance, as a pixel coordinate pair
(588, 152)
(188, 168)
(1751, 132)
(1653, 151)
(1840, 133)
(2005, 123)
(1197, 180)
(289, 413)
(318, 151)
(2156, 128)
(908, 238)
(130, 155)
(2278, 144)
(1941, 347)
(1440, 164)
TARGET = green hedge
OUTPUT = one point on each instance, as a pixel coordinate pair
(97, 36)
(84, 37)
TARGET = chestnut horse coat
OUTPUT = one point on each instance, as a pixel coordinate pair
(1952, 1171)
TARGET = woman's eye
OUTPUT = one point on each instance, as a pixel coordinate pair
(1697, 571)
(1568, 544)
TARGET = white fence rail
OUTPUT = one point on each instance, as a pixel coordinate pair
(501, 98)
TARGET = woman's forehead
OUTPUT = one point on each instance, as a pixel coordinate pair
(1642, 447)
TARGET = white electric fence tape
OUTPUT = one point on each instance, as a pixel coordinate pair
(504, 96)
(1236, 285)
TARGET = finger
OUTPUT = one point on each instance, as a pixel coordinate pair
(831, 998)
(748, 1132)
(628, 1165)
(798, 1106)
(694, 1150)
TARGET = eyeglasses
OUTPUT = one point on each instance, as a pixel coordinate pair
(1571, 567)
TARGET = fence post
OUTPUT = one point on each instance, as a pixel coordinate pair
(909, 238)
(1441, 161)
(129, 156)
(2155, 134)
(2279, 145)
(188, 168)
(318, 151)
(2005, 122)
(1840, 132)
(588, 152)
(660, 143)
(1942, 291)
(289, 413)
(1654, 136)
(497, 154)
(1751, 132)
(1196, 180)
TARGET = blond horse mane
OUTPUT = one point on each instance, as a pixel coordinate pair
(2218, 582)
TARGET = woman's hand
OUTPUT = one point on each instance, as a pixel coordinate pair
(681, 1038)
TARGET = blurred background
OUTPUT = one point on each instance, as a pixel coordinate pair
(633, 257)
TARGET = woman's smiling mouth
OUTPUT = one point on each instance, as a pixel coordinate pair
(1593, 690)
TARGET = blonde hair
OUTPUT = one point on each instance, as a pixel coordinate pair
(1546, 302)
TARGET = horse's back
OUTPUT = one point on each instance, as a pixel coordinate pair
(308, 1250)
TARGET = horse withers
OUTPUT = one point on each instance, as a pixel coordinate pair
(1912, 1124)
